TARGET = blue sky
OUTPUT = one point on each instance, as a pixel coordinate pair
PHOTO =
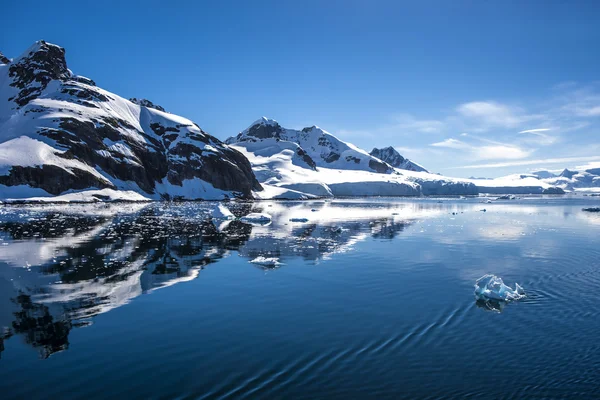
(463, 87)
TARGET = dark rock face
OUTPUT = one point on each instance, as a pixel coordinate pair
(146, 103)
(84, 80)
(32, 72)
(4, 59)
(52, 179)
(307, 159)
(380, 167)
(215, 169)
(145, 150)
(389, 155)
(331, 157)
(393, 158)
(553, 190)
(265, 131)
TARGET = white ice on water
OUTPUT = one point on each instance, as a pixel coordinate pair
(270, 262)
(260, 218)
(222, 212)
(491, 287)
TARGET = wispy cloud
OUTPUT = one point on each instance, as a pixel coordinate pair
(564, 122)
(485, 115)
(539, 137)
(546, 161)
(452, 144)
(537, 130)
(493, 151)
(408, 123)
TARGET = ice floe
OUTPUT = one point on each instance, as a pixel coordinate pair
(490, 287)
(257, 218)
(222, 212)
(268, 262)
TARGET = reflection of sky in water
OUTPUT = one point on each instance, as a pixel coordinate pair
(402, 270)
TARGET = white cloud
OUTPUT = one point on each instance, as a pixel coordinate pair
(500, 152)
(493, 151)
(409, 124)
(537, 130)
(538, 137)
(489, 114)
(452, 144)
(589, 112)
(562, 160)
(589, 165)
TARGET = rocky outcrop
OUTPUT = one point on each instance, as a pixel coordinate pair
(38, 66)
(4, 59)
(393, 158)
(84, 137)
(146, 103)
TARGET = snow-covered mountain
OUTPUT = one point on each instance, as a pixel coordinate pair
(62, 138)
(60, 134)
(392, 157)
(311, 162)
(571, 180)
(314, 147)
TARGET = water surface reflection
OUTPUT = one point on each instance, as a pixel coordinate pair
(62, 265)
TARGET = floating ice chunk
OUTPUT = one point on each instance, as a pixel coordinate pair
(298, 219)
(222, 212)
(269, 262)
(257, 218)
(507, 197)
(491, 287)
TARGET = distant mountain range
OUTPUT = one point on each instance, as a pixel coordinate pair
(62, 138)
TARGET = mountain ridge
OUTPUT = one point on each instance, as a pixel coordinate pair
(75, 136)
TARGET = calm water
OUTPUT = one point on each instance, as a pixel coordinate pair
(372, 298)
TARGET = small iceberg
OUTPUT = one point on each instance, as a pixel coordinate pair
(257, 218)
(491, 288)
(298, 219)
(267, 262)
(507, 197)
(222, 212)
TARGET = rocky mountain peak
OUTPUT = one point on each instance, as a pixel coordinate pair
(35, 68)
(264, 128)
(84, 138)
(146, 103)
(568, 173)
(313, 129)
(4, 59)
(391, 156)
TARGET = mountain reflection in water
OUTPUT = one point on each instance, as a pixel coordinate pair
(62, 265)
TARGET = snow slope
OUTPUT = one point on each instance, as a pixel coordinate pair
(587, 180)
(311, 163)
(308, 163)
(60, 133)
